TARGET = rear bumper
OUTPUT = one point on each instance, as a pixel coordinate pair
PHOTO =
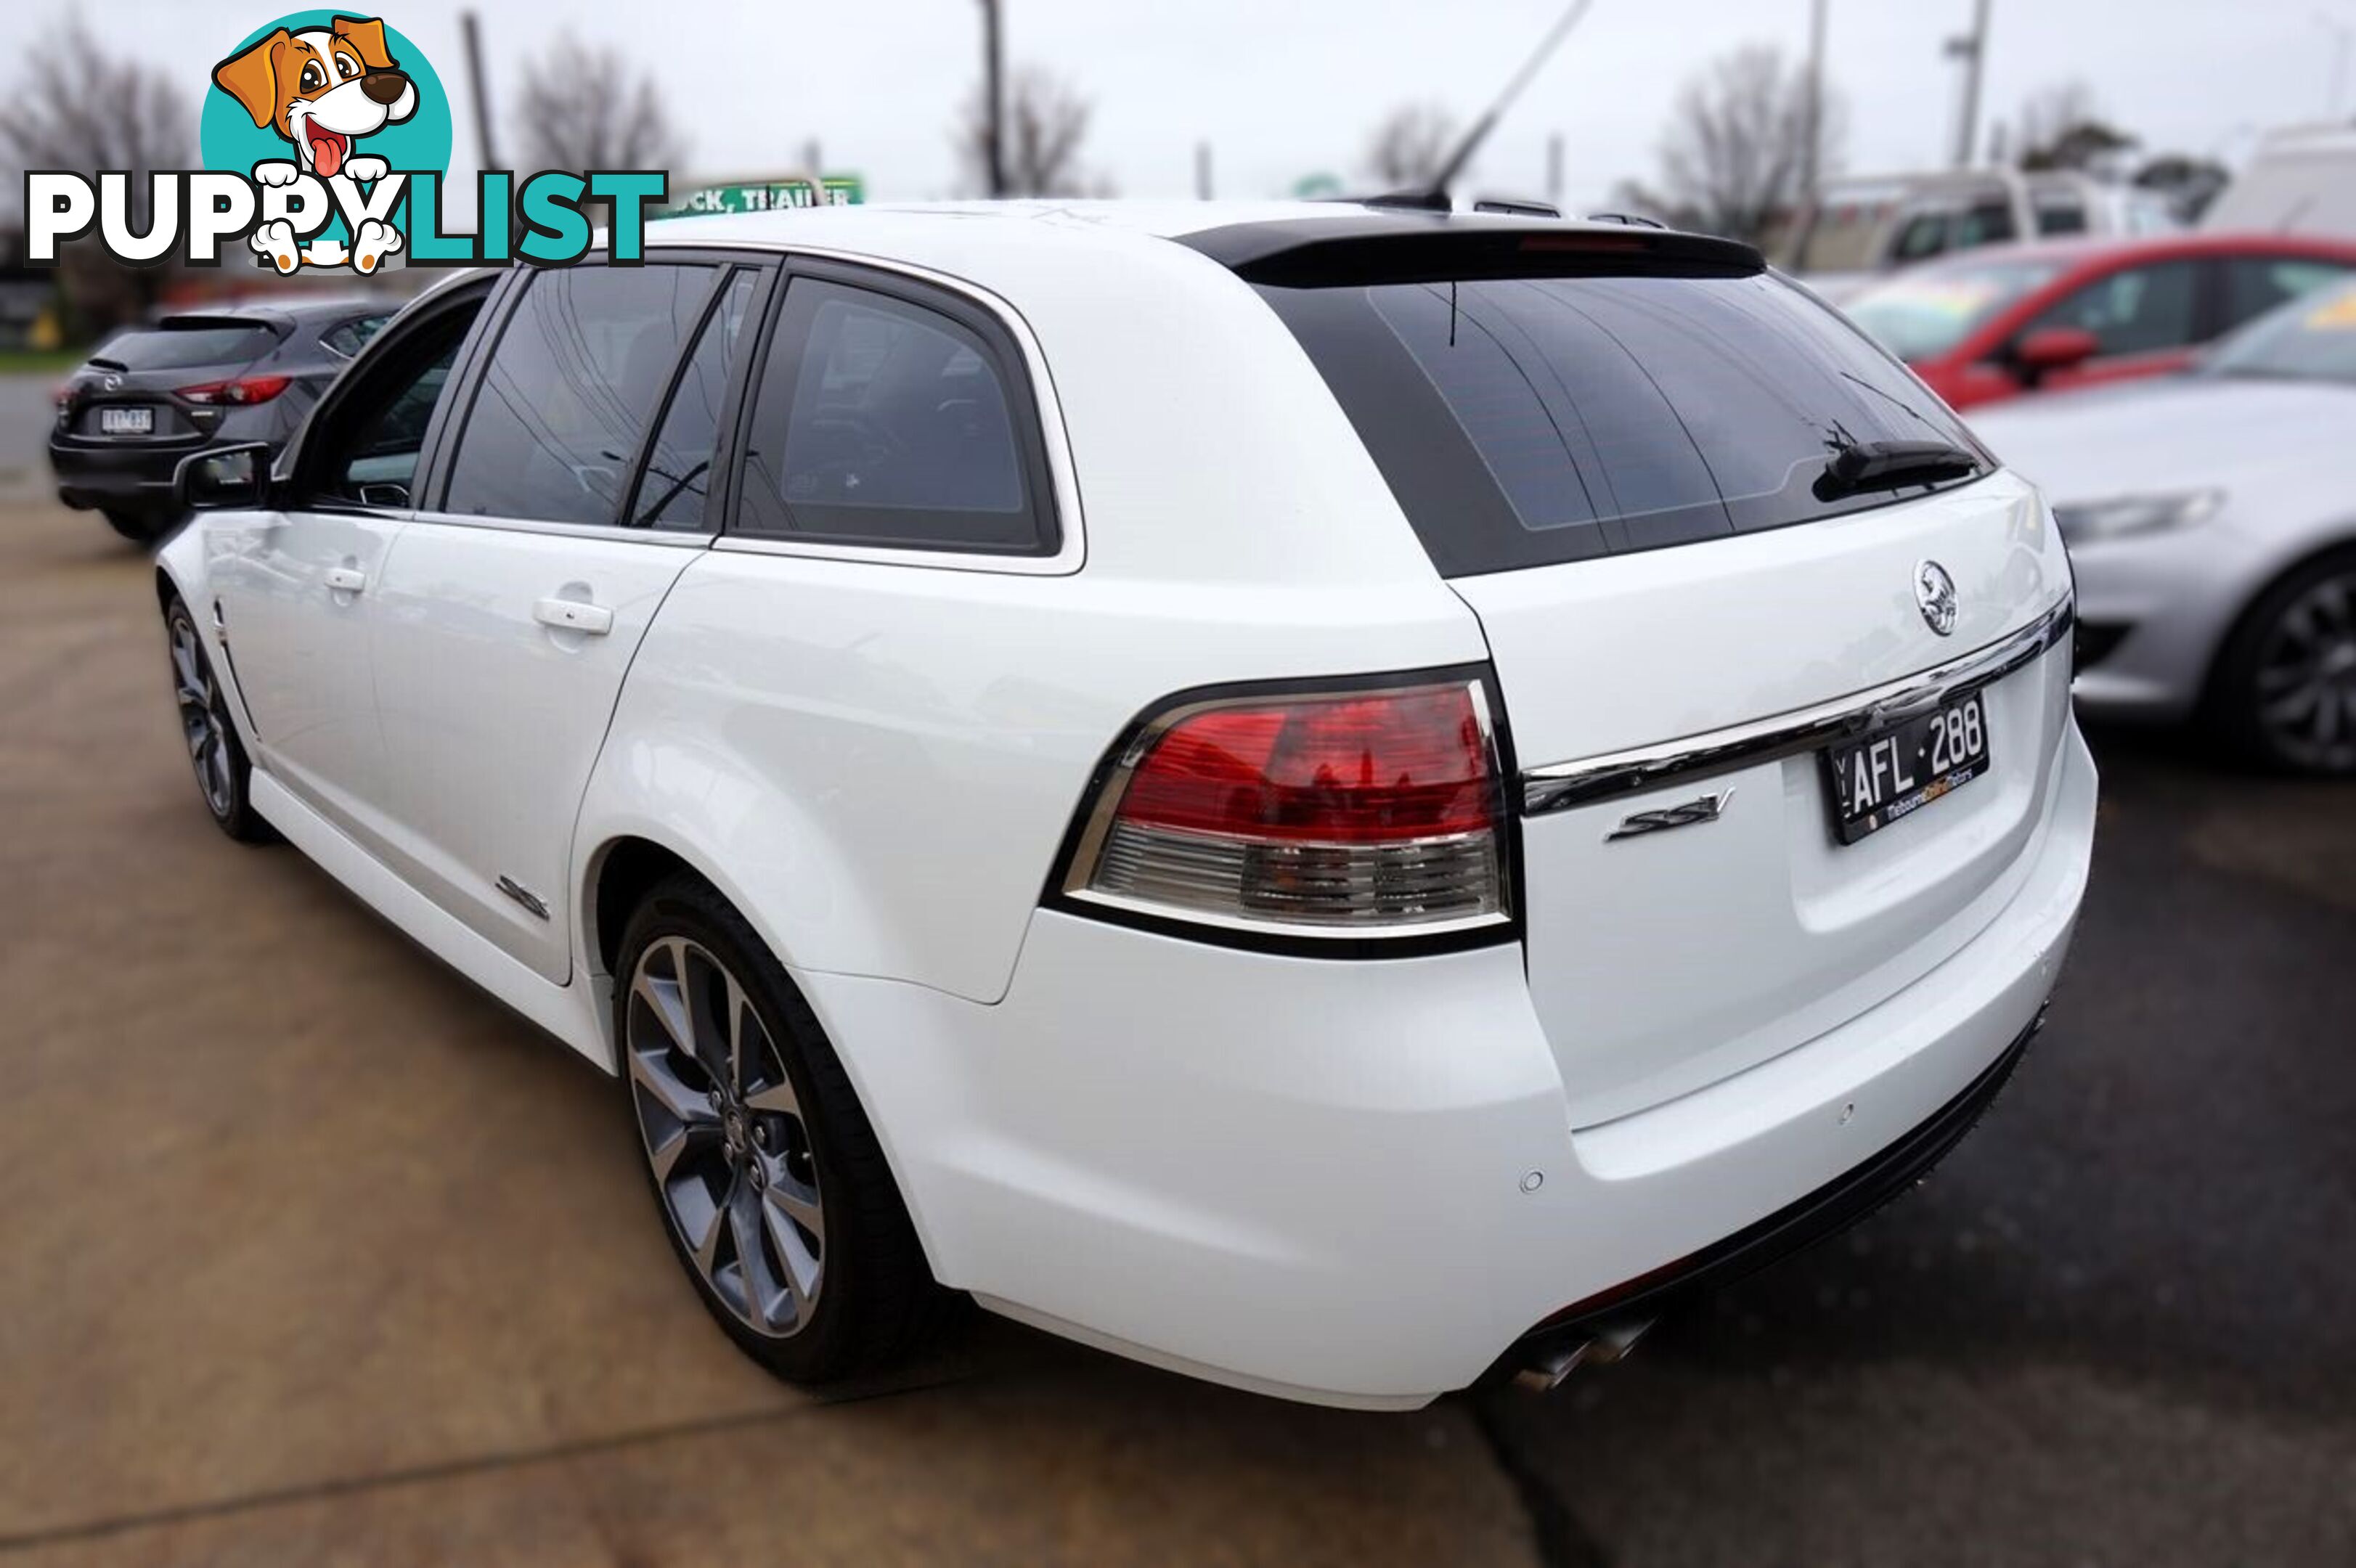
(127, 477)
(1359, 1183)
(1847, 1199)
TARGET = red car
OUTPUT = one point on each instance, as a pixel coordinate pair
(2003, 320)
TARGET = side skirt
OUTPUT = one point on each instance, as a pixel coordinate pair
(571, 1013)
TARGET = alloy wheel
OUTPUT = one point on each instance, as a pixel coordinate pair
(725, 1132)
(2305, 689)
(202, 723)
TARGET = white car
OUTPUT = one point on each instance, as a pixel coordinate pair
(1335, 799)
(2210, 516)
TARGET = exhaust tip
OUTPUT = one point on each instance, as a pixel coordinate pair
(1544, 1373)
(1545, 1370)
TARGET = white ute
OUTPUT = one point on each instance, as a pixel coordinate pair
(1337, 799)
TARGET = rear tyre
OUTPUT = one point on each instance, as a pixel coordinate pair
(2284, 696)
(140, 527)
(769, 1180)
(215, 753)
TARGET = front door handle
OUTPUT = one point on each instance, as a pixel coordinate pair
(346, 580)
(574, 615)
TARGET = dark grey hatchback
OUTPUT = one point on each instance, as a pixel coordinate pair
(152, 395)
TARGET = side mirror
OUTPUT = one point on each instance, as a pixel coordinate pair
(2052, 348)
(227, 478)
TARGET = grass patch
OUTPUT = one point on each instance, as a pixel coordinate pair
(40, 361)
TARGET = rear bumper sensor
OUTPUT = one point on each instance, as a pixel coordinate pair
(1603, 1326)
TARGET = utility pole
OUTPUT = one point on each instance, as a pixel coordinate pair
(474, 40)
(994, 112)
(1973, 52)
(2341, 32)
(1812, 149)
(1201, 171)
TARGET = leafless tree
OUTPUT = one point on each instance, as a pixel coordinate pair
(1736, 150)
(77, 106)
(1409, 146)
(582, 109)
(1047, 121)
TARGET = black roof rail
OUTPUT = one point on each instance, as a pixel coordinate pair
(1634, 219)
(1407, 247)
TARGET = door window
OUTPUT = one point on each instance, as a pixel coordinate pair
(570, 388)
(346, 338)
(1987, 223)
(2136, 310)
(364, 452)
(1923, 234)
(2061, 217)
(2255, 284)
(679, 468)
(880, 421)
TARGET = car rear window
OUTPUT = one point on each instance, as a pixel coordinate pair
(1532, 420)
(174, 346)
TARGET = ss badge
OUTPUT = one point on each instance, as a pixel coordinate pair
(1702, 808)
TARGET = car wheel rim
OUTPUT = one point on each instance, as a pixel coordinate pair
(2306, 689)
(201, 723)
(725, 1137)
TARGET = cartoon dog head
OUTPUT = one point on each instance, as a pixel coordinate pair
(321, 89)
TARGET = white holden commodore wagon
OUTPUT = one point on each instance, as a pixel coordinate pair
(1338, 799)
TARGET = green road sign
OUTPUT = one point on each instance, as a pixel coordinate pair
(770, 196)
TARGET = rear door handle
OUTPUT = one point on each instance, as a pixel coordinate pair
(346, 579)
(573, 615)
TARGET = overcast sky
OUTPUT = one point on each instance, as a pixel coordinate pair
(1282, 88)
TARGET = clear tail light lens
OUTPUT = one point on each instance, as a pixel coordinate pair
(1318, 813)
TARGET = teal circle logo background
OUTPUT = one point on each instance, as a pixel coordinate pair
(228, 139)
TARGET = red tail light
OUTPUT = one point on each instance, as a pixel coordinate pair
(1334, 813)
(248, 390)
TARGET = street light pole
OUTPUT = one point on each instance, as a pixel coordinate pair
(994, 113)
(1973, 52)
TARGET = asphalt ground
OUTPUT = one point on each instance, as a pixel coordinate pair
(310, 1253)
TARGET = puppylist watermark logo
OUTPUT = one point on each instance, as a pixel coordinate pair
(325, 139)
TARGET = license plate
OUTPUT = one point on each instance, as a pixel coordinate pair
(1895, 773)
(126, 421)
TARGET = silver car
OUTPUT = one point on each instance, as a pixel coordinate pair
(2211, 520)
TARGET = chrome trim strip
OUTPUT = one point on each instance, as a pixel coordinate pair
(1559, 786)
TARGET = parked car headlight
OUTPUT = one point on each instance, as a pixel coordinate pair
(2119, 517)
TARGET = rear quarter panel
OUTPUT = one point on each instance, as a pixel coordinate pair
(878, 763)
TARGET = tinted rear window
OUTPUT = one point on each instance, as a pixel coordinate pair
(172, 348)
(1528, 421)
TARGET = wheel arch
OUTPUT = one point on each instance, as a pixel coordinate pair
(2340, 542)
(619, 872)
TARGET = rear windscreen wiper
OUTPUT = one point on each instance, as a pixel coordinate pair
(1893, 464)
